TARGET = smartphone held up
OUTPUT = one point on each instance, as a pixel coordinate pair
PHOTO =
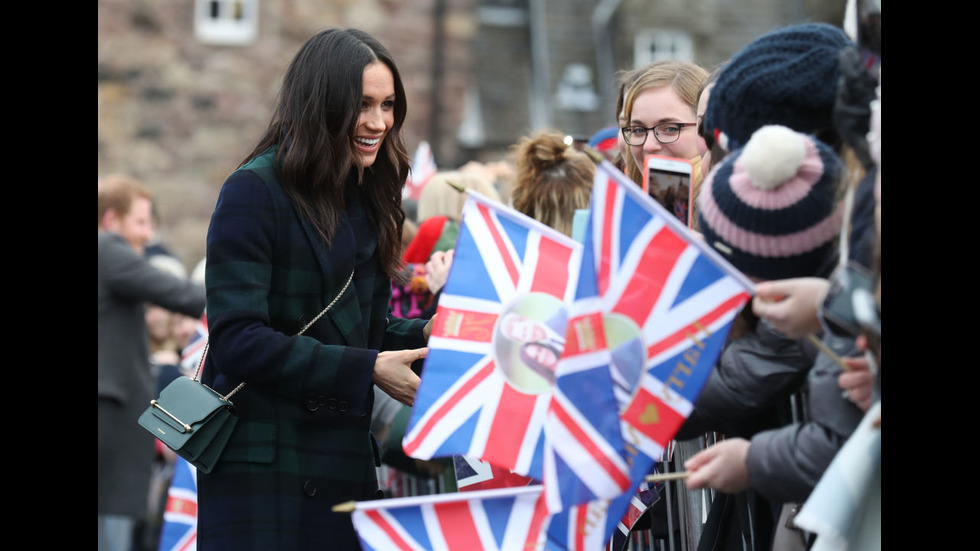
(668, 181)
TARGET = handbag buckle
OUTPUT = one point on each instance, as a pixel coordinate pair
(187, 428)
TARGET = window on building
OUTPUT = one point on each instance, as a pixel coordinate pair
(656, 44)
(226, 22)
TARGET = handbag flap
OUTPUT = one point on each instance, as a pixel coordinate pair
(190, 400)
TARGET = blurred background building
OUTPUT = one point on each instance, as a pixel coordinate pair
(186, 87)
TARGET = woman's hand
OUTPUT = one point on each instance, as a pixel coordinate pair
(858, 383)
(393, 373)
(790, 305)
(721, 467)
(437, 269)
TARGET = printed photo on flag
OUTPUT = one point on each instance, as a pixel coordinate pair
(667, 301)
(502, 316)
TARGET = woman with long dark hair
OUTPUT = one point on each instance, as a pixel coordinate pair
(310, 221)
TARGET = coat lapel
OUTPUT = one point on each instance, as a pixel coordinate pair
(336, 265)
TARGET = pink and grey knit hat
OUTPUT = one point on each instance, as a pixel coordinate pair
(771, 207)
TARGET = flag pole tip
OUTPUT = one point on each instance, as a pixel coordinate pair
(457, 186)
(593, 154)
(346, 507)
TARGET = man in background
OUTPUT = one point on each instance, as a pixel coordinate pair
(127, 281)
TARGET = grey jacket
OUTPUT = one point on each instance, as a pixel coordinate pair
(786, 463)
(126, 384)
(745, 396)
(752, 379)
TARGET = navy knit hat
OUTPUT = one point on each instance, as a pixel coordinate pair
(771, 207)
(787, 77)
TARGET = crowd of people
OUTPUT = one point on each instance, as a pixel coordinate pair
(785, 141)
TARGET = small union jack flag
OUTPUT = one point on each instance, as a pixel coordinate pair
(423, 167)
(179, 531)
(473, 474)
(190, 355)
(636, 506)
(501, 519)
(487, 385)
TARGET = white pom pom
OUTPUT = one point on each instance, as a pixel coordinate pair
(773, 155)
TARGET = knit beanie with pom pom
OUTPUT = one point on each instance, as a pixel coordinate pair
(771, 208)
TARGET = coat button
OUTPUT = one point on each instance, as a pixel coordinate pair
(309, 488)
(312, 404)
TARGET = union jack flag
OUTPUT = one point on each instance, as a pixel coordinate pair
(500, 519)
(668, 301)
(485, 390)
(423, 167)
(179, 531)
(473, 474)
(635, 506)
(190, 355)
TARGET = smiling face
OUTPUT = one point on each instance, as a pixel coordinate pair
(523, 329)
(656, 106)
(542, 355)
(377, 112)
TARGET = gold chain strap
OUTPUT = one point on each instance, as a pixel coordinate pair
(204, 352)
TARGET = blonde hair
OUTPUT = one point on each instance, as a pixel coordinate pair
(117, 192)
(684, 77)
(553, 180)
(439, 198)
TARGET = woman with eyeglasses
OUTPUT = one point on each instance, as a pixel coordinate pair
(661, 115)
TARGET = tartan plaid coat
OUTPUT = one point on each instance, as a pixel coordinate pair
(303, 442)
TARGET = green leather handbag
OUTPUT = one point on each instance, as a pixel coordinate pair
(193, 420)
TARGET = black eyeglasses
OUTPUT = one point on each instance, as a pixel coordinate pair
(666, 133)
(706, 135)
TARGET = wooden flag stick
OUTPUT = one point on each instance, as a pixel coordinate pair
(457, 186)
(412, 501)
(826, 350)
(593, 154)
(661, 477)
(345, 507)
